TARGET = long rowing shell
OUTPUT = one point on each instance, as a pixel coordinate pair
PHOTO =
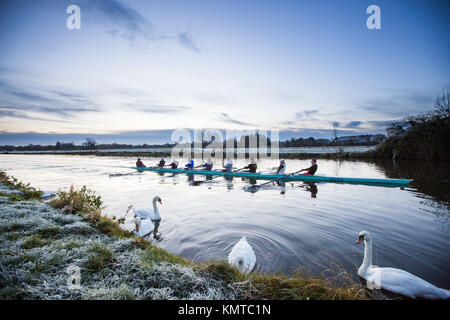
(259, 176)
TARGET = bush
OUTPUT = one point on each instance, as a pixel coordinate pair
(86, 203)
(425, 136)
(27, 191)
(77, 201)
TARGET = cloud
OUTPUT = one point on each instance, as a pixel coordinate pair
(124, 21)
(399, 104)
(353, 124)
(120, 20)
(21, 115)
(19, 101)
(379, 124)
(164, 109)
(188, 42)
(226, 118)
(305, 113)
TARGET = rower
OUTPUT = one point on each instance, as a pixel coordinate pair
(282, 167)
(311, 170)
(174, 164)
(140, 164)
(252, 166)
(229, 166)
(161, 163)
(190, 164)
(208, 165)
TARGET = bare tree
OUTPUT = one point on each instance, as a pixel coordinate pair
(442, 105)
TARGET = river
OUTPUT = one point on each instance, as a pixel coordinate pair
(291, 226)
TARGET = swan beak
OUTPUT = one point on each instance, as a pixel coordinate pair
(160, 201)
(361, 238)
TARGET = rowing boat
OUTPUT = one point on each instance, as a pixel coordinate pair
(306, 178)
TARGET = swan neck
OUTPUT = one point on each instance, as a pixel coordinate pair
(367, 255)
(155, 210)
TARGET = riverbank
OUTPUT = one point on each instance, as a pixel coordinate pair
(158, 154)
(41, 242)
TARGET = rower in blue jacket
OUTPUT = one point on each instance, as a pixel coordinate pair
(190, 164)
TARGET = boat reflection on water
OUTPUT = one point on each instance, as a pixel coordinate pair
(310, 187)
(229, 182)
(282, 185)
(306, 185)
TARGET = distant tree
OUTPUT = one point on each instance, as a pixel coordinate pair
(90, 144)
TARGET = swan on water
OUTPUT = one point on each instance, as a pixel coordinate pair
(144, 218)
(242, 256)
(395, 280)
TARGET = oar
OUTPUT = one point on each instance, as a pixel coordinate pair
(133, 172)
(123, 174)
(193, 167)
(223, 175)
(271, 181)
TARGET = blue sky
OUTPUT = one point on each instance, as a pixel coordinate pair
(138, 69)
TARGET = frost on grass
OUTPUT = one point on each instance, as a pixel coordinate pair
(38, 244)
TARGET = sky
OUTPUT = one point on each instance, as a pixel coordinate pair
(136, 70)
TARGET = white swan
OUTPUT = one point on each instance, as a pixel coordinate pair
(395, 280)
(144, 218)
(242, 256)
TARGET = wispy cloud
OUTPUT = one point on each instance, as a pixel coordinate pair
(188, 41)
(163, 109)
(25, 101)
(5, 113)
(306, 113)
(226, 118)
(398, 104)
(121, 19)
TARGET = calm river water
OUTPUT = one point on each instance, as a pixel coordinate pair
(291, 226)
